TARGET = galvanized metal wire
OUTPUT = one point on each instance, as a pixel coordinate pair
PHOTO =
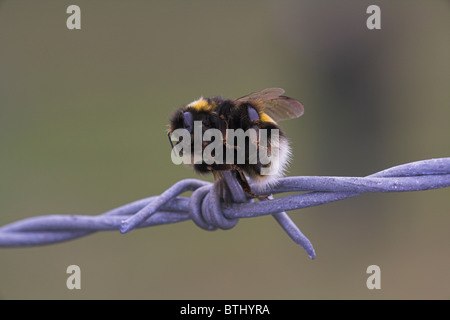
(206, 210)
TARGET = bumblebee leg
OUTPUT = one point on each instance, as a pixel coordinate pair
(240, 177)
(222, 167)
(222, 188)
(224, 131)
(225, 136)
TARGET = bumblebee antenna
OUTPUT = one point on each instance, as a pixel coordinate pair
(170, 140)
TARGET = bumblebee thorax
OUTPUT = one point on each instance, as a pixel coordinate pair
(202, 105)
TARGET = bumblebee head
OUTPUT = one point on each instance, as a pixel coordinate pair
(199, 110)
(180, 120)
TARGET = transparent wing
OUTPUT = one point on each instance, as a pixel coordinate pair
(275, 105)
(264, 94)
(283, 108)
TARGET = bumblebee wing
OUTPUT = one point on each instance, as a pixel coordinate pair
(275, 105)
(282, 108)
(264, 94)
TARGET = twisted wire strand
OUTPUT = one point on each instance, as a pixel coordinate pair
(206, 210)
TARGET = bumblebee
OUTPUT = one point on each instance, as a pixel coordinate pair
(258, 110)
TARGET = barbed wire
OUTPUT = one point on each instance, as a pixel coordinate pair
(205, 208)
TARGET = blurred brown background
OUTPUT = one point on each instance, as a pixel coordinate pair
(83, 116)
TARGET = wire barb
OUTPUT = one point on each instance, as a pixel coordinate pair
(205, 209)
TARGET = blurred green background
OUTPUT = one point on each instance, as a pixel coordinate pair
(83, 115)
